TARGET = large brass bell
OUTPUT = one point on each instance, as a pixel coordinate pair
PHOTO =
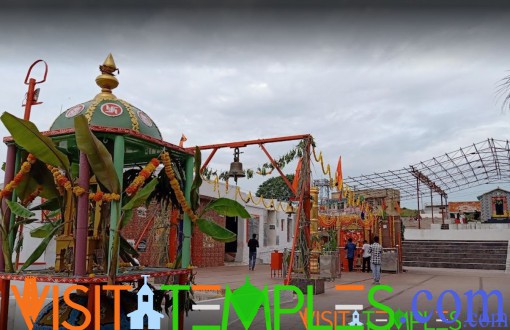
(236, 167)
(289, 210)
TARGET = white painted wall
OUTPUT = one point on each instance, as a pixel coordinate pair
(491, 234)
(267, 218)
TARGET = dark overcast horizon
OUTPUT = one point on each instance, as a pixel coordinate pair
(383, 84)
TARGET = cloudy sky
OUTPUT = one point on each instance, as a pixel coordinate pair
(382, 86)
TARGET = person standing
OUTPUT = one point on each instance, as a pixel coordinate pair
(351, 250)
(253, 244)
(375, 258)
(366, 257)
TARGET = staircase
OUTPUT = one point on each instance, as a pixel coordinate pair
(455, 254)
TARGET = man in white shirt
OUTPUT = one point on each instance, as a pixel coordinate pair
(366, 257)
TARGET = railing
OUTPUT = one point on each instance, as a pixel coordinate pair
(323, 264)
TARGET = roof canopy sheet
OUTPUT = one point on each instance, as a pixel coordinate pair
(483, 162)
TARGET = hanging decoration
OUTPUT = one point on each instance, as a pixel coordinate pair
(25, 168)
(144, 174)
(165, 157)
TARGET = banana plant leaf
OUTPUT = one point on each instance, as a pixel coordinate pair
(27, 136)
(19, 210)
(197, 181)
(46, 229)
(26, 186)
(141, 196)
(98, 156)
(216, 231)
(41, 248)
(44, 178)
(19, 245)
(49, 205)
(128, 248)
(39, 175)
(227, 207)
(126, 218)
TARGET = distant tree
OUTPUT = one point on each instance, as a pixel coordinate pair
(275, 188)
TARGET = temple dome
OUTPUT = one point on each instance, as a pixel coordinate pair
(108, 111)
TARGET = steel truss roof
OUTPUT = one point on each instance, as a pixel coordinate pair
(483, 162)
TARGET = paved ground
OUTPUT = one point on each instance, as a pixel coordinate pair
(405, 286)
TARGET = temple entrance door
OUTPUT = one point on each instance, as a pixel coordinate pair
(499, 207)
(357, 234)
(231, 248)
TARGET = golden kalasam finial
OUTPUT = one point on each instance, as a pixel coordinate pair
(106, 80)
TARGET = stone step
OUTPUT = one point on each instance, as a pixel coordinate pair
(492, 243)
(462, 247)
(456, 260)
(483, 252)
(458, 255)
(454, 265)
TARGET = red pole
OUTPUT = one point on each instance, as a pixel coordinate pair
(5, 284)
(30, 99)
(296, 233)
(80, 260)
(26, 116)
(287, 182)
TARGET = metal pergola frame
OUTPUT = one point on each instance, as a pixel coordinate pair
(484, 162)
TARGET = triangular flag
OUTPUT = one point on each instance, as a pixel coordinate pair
(339, 177)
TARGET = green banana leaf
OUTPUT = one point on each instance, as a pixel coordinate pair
(19, 210)
(27, 136)
(99, 158)
(126, 247)
(45, 230)
(141, 195)
(75, 170)
(227, 207)
(197, 181)
(216, 231)
(126, 218)
(26, 187)
(49, 205)
(41, 248)
(39, 175)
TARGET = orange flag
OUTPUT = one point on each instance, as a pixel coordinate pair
(339, 177)
(295, 183)
(183, 139)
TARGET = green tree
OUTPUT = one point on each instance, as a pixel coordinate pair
(275, 188)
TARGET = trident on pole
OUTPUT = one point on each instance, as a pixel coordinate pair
(33, 94)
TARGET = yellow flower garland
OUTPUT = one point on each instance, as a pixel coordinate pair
(165, 158)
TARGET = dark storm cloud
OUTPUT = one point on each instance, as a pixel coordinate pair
(383, 86)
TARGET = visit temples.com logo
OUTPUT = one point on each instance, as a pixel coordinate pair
(246, 302)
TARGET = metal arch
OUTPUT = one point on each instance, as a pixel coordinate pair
(432, 172)
(469, 163)
(458, 169)
(481, 161)
(454, 170)
(494, 156)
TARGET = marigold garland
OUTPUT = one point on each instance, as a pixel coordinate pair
(165, 157)
(59, 178)
(144, 174)
(30, 198)
(25, 168)
(98, 196)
